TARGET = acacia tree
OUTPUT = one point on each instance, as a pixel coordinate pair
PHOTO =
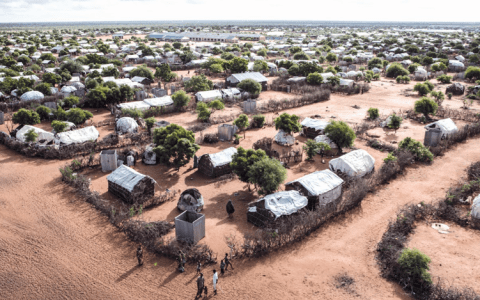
(395, 122)
(242, 123)
(267, 174)
(251, 86)
(198, 83)
(426, 106)
(288, 123)
(243, 160)
(174, 141)
(180, 98)
(341, 134)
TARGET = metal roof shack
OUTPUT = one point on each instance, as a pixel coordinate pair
(235, 79)
(130, 185)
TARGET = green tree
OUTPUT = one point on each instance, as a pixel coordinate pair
(306, 68)
(396, 69)
(198, 83)
(51, 78)
(126, 92)
(165, 73)
(43, 112)
(472, 73)
(331, 57)
(422, 89)
(341, 134)
(251, 86)
(260, 66)
(227, 56)
(444, 78)
(141, 71)
(180, 99)
(216, 105)
(267, 174)
(177, 45)
(173, 141)
(150, 122)
(426, 106)
(26, 117)
(31, 136)
(44, 88)
(238, 65)
(288, 123)
(315, 78)
(333, 80)
(312, 147)
(262, 52)
(438, 96)
(301, 56)
(295, 49)
(218, 68)
(259, 121)
(110, 71)
(58, 126)
(395, 122)
(415, 265)
(373, 113)
(203, 112)
(78, 115)
(243, 160)
(242, 123)
(439, 67)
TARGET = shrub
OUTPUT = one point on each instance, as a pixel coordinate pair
(267, 174)
(43, 112)
(331, 57)
(26, 117)
(422, 89)
(216, 68)
(132, 112)
(78, 115)
(243, 160)
(216, 105)
(340, 133)
(180, 98)
(44, 88)
(315, 78)
(426, 106)
(288, 123)
(396, 69)
(58, 126)
(251, 86)
(439, 67)
(301, 56)
(165, 73)
(238, 65)
(259, 121)
(395, 122)
(373, 113)
(311, 148)
(375, 63)
(31, 136)
(430, 85)
(413, 67)
(438, 96)
(70, 101)
(449, 95)
(444, 78)
(203, 112)
(141, 71)
(416, 148)
(390, 158)
(173, 141)
(242, 123)
(472, 73)
(415, 265)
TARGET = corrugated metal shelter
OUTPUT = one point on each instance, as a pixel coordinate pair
(226, 132)
(250, 106)
(108, 159)
(190, 227)
(312, 127)
(322, 188)
(216, 164)
(130, 185)
(235, 79)
(357, 163)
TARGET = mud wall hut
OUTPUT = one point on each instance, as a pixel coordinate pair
(216, 164)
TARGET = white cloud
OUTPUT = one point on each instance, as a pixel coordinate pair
(138, 10)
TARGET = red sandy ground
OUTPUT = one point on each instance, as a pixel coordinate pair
(52, 246)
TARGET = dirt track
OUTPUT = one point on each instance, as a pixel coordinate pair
(52, 247)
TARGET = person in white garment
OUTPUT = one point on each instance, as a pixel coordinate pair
(215, 280)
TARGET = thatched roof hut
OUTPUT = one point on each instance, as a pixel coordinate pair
(130, 186)
(191, 200)
(272, 207)
(216, 164)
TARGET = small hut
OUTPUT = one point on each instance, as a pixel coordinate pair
(284, 139)
(447, 127)
(357, 163)
(32, 96)
(149, 157)
(108, 160)
(226, 132)
(126, 125)
(191, 200)
(190, 227)
(333, 147)
(420, 74)
(322, 188)
(130, 186)
(272, 207)
(216, 164)
(312, 128)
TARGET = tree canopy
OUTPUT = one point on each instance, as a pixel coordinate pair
(198, 83)
(288, 123)
(340, 133)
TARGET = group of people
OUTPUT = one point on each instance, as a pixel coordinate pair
(201, 287)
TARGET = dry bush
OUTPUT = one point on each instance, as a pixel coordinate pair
(199, 127)
(474, 171)
(210, 138)
(382, 146)
(146, 233)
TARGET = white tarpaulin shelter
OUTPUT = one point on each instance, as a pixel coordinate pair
(314, 123)
(326, 140)
(32, 95)
(140, 105)
(282, 138)
(325, 185)
(346, 82)
(78, 136)
(223, 157)
(68, 89)
(126, 177)
(284, 203)
(127, 125)
(207, 96)
(475, 213)
(161, 101)
(42, 134)
(447, 126)
(357, 163)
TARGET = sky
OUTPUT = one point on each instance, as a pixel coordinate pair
(166, 10)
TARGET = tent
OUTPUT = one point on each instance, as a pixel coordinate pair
(126, 125)
(159, 102)
(140, 105)
(475, 212)
(207, 96)
(31, 96)
(67, 90)
(346, 82)
(42, 134)
(447, 126)
(357, 163)
(313, 127)
(78, 136)
(324, 139)
(284, 139)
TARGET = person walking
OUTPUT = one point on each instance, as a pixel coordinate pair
(200, 285)
(227, 262)
(230, 208)
(215, 281)
(222, 267)
(140, 255)
(199, 267)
